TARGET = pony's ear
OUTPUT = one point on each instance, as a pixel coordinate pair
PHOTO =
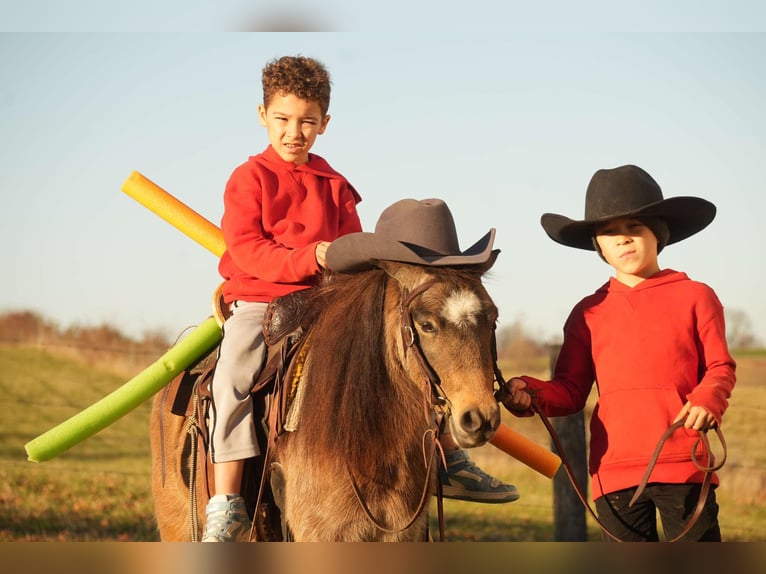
(407, 275)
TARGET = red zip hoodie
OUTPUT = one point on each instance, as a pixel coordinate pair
(275, 214)
(649, 349)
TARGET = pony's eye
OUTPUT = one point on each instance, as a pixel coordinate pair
(427, 327)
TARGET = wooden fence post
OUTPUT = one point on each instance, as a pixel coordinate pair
(568, 511)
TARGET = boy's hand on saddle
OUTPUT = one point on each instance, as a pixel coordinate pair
(517, 399)
(697, 417)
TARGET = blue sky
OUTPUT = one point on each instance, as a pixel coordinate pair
(503, 127)
(483, 16)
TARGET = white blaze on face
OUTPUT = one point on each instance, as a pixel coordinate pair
(462, 308)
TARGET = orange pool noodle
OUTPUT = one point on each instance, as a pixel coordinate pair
(526, 451)
(178, 214)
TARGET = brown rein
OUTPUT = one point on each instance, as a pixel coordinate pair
(702, 439)
(708, 470)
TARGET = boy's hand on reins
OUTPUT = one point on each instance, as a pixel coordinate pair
(518, 399)
(697, 417)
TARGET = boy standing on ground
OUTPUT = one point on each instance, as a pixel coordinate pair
(654, 343)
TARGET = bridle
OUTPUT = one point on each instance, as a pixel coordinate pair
(438, 399)
(435, 402)
(708, 470)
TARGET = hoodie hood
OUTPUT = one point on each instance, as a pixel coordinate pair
(316, 165)
(660, 278)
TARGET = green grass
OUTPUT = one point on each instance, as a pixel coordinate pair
(100, 489)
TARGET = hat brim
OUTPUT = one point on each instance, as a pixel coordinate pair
(684, 217)
(359, 251)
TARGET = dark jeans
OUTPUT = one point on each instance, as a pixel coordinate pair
(676, 504)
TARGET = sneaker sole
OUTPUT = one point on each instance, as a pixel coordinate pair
(483, 497)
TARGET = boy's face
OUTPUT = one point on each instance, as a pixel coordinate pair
(293, 125)
(630, 247)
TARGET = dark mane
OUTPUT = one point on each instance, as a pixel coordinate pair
(348, 378)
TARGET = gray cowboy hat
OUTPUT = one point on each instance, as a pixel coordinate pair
(628, 191)
(410, 231)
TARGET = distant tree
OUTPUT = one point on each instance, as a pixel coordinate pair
(26, 326)
(100, 345)
(99, 336)
(515, 344)
(739, 330)
(155, 337)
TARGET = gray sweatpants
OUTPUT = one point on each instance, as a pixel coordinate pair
(240, 360)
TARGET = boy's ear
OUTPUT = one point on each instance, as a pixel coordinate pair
(323, 125)
(262, 114)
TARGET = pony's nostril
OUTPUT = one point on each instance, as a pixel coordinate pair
(472, 421)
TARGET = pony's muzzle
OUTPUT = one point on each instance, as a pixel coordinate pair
(474, 427)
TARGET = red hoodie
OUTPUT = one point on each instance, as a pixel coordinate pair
(275, 214)
(649, 349)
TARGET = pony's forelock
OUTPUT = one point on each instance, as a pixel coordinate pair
(462, 308)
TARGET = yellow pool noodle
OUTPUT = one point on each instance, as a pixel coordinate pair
(526, 451)
(193, 346)
(210, 236)
(127, 397)
(175, 212)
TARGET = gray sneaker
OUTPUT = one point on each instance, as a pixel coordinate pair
(227, 518)
(463, 480)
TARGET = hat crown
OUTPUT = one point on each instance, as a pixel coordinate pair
(628, 191)
(620, 191)
(425, 226)
(421, 232)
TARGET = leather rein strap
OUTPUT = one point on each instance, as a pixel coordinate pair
(570, 473)
(433, 401)
(702, 439)
(708, 470)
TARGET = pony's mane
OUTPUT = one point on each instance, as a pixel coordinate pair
(355, 399)
(351, 395)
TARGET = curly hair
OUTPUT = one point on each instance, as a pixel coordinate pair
(303, 77)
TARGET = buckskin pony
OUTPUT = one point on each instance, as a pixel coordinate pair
(395, 343)
(389, 353)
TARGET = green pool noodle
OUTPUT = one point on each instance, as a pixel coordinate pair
(126, 398)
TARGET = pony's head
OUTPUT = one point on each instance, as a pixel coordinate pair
(450, 318)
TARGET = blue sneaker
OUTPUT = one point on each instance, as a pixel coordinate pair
(463, 480)
(227, 518)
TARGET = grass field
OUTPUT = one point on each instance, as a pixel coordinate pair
(99, 490)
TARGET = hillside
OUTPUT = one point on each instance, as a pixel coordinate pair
(99, 489)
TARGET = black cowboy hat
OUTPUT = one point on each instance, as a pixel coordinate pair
(628, 191)
(411, 231)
